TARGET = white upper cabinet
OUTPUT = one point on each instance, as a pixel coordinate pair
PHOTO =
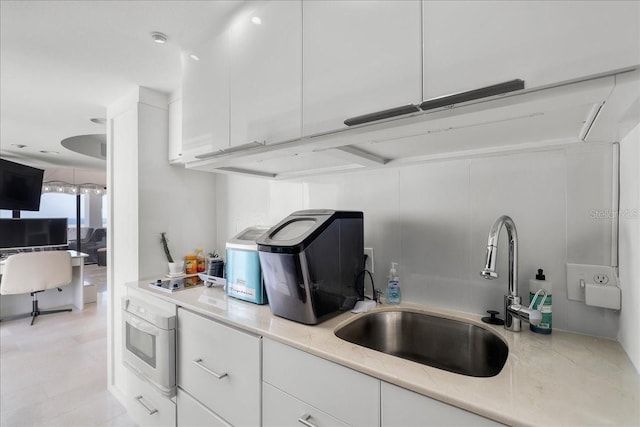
(472, 44)
(175, 127)
(205, 99)
(265, 41)
(358, 57)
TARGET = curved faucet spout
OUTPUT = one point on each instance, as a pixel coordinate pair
(489, 270)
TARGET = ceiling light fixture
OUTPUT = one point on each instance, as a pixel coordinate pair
(98, 120)
(194, 57)
(256, 20)
(159, 37)
(68, 188)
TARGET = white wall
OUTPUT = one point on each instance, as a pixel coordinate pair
(434, 220)
(147, 196)
(629, 335)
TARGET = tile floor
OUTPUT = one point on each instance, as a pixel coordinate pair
(54, 373)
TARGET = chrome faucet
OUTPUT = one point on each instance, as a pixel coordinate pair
(514, 312)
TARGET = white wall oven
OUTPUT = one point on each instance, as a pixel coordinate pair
(150, 343)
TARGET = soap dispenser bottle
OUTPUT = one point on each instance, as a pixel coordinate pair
(393, 288)
(539, 283)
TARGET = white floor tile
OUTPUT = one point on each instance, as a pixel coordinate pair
(55, 372)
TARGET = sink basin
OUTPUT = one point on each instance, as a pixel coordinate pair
(452, 345)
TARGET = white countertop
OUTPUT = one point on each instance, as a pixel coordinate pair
(558, 379)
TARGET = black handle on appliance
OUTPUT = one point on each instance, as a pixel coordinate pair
(471, 95)
(379, 115)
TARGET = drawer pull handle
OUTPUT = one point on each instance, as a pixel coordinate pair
(199, 364)
(304, 419)
(150, 410)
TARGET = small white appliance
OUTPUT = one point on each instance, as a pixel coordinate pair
(150, 343)
(244, 277)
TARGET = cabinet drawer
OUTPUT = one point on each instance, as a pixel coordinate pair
(146, 406)
(402, 407)
(325, 385)
(220, 367)
(193, 413)
(282, 410)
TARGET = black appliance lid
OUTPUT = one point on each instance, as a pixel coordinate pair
(298, 230)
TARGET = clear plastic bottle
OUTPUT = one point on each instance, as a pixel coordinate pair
(393, 288)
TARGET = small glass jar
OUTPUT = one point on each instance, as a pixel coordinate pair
(191, 264)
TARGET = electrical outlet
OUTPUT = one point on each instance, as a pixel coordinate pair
(594, 274)
(601, 279)
(369, 265)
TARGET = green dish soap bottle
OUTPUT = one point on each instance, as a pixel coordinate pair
(536, 284)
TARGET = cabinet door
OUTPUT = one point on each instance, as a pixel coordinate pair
(280, 409)
(220, 367)
(146, 406)
(327, 386)
(359, 57)
(401, 407)
(175, 130)
(471, 44)
(265, 40)
(205, 99)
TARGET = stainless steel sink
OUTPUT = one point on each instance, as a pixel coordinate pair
(452, 345)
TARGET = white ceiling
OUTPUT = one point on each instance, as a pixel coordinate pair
(64, 62)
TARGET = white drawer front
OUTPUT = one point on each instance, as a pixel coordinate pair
(283, 410)
(192, 413)
(220, 367)
(341, 392)
(402, 407)
(146, 406)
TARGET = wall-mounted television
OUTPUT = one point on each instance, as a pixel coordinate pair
(23, 233)
(20, 186)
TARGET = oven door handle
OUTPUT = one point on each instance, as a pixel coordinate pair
(150, 410)
(199, 364)
(143, 326)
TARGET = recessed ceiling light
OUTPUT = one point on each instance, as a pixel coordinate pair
(256, 20)
(19, 145)
(194, 57)
(159, 37)
(98, 120)
(48, 152)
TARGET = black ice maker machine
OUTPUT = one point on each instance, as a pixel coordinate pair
(311, 261)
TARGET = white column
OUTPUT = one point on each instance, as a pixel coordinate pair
(146, 196)
(629, 245)
(93, 210)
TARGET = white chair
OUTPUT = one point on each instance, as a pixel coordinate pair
(35, 272)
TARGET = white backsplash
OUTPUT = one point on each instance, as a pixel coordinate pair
(434, 220)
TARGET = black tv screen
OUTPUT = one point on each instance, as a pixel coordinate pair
(32, 232)
(20, 186)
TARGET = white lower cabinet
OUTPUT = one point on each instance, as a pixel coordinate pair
(228, 377)
(192, 413)
(311, 386)
(219, 366)
(401, 407)
(146, 406)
